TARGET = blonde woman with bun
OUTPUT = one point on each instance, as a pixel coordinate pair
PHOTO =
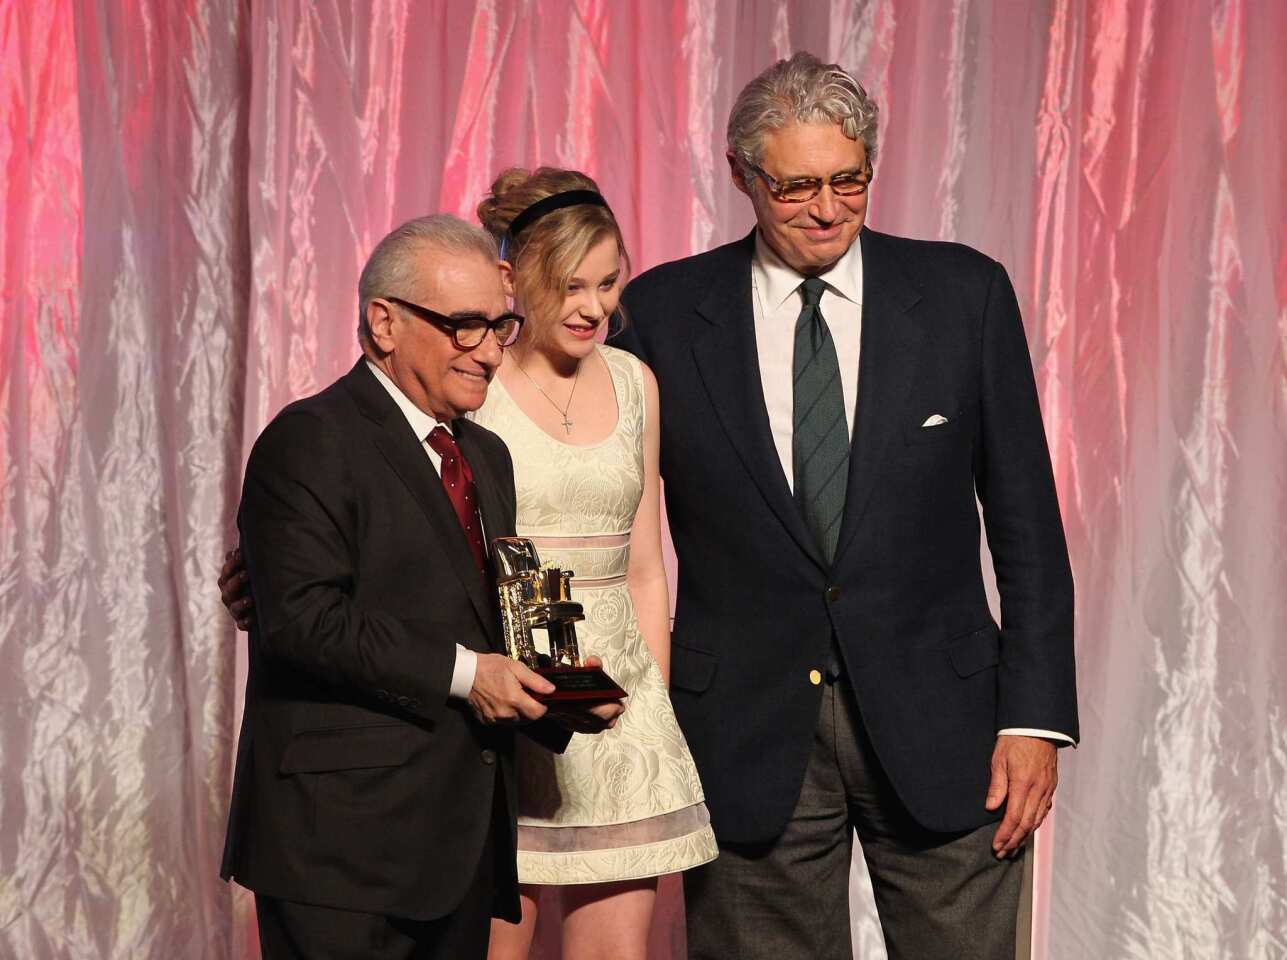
(603, 820)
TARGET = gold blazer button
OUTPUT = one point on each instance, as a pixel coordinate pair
(815, 677)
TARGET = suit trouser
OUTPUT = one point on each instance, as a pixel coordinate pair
(298, 931)
(938, 895)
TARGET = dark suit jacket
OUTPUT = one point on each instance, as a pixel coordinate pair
(359, 785)
(757, 606)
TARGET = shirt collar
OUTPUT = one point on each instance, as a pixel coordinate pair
(422, 423)
(777, 282)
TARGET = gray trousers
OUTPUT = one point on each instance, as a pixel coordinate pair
(938, 895)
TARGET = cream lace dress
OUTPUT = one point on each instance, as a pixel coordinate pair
(626, 803)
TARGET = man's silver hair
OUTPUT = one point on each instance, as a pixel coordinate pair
(390, 271)
(800, 90)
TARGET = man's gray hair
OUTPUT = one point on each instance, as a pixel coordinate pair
(390, 271)
(800, 90)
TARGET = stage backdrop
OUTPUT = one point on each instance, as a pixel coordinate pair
(190, 189)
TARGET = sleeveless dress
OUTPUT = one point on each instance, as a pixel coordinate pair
(626, 803)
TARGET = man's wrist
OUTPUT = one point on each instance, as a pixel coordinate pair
(462, 674)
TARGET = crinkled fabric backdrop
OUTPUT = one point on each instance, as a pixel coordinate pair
(189, 192)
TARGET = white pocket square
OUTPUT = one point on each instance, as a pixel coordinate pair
(935, 421)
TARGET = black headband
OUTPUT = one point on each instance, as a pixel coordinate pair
(557, 201)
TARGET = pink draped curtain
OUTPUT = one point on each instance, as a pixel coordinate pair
(189, 191)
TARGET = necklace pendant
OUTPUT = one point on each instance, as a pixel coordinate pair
(567, 424)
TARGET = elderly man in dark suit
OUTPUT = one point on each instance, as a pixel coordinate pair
(373, 807)
(833, 399)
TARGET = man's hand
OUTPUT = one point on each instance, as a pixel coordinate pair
(501, 690)
(595, 719)
(234, 589)
(1024, 773)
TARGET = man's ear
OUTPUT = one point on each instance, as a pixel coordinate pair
(507, 277)
(735, 171)
(379, 323)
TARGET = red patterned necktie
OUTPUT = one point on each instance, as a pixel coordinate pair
(458, 481)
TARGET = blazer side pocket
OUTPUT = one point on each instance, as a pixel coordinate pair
(350, 748)
(691, 669)
(975, 651)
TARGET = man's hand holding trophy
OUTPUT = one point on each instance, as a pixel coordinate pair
(573, 691)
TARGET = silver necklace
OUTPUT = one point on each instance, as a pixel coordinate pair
(563, 410)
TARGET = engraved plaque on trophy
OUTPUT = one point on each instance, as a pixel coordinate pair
(536, 597)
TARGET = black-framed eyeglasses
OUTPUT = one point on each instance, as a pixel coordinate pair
(467, 330)
(847, 183)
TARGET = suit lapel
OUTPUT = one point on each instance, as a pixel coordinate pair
(892, 339)
(729, 366)
(397, 443)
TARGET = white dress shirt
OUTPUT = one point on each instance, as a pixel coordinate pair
(462, 675)
(776, 303)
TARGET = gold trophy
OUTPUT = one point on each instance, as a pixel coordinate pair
(532, 596)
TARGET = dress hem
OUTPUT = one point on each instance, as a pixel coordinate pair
(552, 869)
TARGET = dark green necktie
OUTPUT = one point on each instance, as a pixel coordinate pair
(820, 435)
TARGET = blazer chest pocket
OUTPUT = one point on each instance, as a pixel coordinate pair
(931, 430)
(975, 651)
(350, 748)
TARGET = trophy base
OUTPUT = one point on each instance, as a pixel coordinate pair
(580, 685)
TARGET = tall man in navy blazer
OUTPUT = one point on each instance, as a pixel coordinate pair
(832, 401)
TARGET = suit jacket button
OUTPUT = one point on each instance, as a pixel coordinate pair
(833, 594)
(404, 701)
(489, 756)
(815, 677)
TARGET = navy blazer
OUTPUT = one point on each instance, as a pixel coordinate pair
(757, 606)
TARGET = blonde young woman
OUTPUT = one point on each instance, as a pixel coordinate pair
(603, 820)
